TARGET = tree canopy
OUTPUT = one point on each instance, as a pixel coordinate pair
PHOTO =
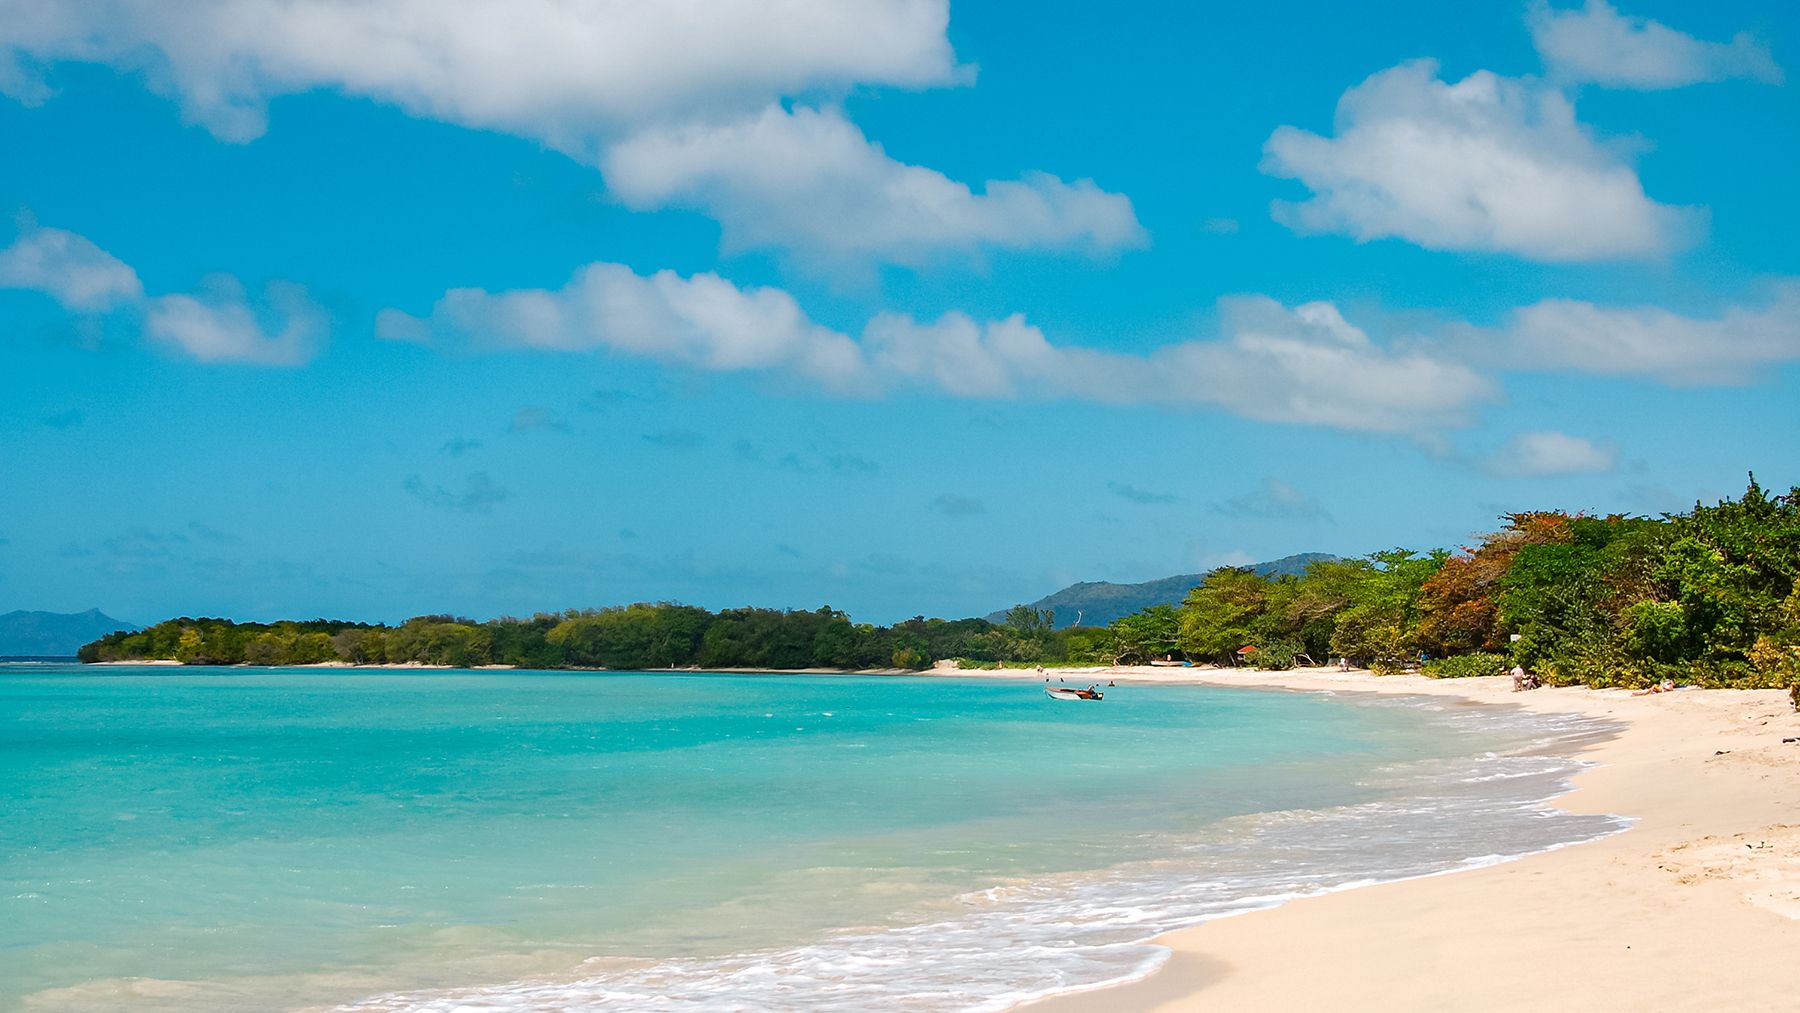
(1708, 596)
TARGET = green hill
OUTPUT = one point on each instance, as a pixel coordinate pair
(1099, 602)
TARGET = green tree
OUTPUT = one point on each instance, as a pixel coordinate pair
(1380, 624)
(1217, 616)
(1151, 633)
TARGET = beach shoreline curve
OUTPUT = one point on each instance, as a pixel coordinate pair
(1694, 906)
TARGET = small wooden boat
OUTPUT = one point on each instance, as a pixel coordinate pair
(1071, 693)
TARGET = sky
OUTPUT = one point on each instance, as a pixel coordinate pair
(369, 310)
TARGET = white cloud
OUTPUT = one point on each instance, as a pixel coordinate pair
(1310, 365)
(71, 269)
(218, 325)
(1305, 365)
(1000, 359)
(558, 71)
(1566, 334)
(1597, 44)
(810, 179)
(222, 326)
(1549, 453)
(704, 321)
(1487, 163)
(678, 101)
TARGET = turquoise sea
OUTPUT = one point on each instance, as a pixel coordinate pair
(230, 839)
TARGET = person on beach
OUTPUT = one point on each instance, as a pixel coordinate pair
(1523, 681)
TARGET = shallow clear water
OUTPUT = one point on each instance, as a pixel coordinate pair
(225, 839)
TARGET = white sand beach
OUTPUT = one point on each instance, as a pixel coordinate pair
(1696, 907)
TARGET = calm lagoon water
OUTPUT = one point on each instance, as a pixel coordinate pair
(226, 839)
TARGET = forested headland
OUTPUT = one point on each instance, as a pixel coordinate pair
(1708, 597)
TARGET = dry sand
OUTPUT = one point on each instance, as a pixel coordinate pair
(1697, 907)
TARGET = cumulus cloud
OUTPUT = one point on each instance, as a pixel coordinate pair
(553, 70)
(70, 269)
(283, 329)
(1001, 358)
(219, 324)
(1734, 347)
(679, 102)
(1597, 44)
(1486, 163)
(703, 322)
(1273, 500)
(1550, 453)
(1310, 365)
(800, 178)
(1305, 364)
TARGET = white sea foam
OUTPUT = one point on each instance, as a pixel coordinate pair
(998, 946)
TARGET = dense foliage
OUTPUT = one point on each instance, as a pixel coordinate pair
(1707, 597)
(633, 637)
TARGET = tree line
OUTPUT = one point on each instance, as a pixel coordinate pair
(1708, 596)
(633, 637)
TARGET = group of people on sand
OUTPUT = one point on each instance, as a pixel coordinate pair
(1523, 680)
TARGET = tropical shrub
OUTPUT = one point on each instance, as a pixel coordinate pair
(1465, 666)
(1278, 655)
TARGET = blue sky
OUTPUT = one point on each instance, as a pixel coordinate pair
(377, 309)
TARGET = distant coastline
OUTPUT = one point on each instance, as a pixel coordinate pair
(417, 666)
(1704, 598)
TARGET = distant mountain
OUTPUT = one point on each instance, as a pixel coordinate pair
(1099, 602)
(53, 634)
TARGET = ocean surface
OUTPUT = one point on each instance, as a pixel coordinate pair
(231, 839)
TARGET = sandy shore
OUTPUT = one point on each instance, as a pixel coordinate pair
(1697, 907)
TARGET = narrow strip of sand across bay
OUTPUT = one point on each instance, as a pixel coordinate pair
(1696, 907)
